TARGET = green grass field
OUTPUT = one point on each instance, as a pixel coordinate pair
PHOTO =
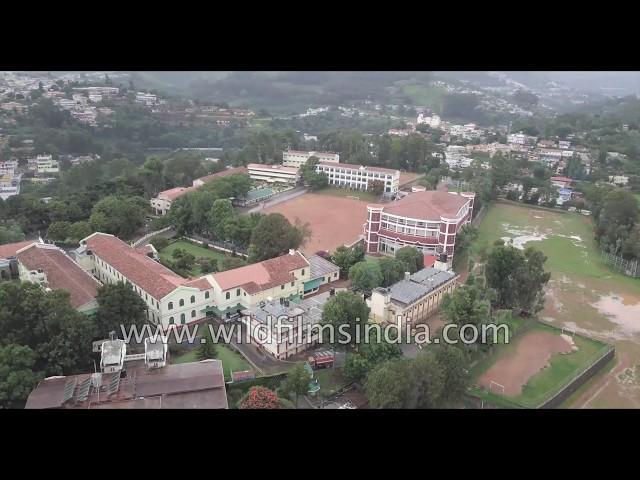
(425, 95)
(196, 250)
(231, 361)
(331, 380)
(345, 192)
(579, 280)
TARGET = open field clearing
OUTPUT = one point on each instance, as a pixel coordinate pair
(583, 293)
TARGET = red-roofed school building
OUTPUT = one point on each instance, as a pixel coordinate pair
(428, 221)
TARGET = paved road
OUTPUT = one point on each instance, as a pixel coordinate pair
(281, 197)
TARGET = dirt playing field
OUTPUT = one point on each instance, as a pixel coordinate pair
(532, 353)
(334, 221)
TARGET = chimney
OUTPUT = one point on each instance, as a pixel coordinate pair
(407, 275)
(292, 251)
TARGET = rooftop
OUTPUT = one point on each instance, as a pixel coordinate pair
(279, 168)
(364, 168)
(320, 267)
(186, 385)
(10, 249)
(429, 205)
(263, 275)
(418, 285)
(151, 276)
(224, 173)
(62, 272)
(310, 309)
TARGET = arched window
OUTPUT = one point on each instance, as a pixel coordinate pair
(170, 306)
(182, 318)
(228, 296)
(182, 302)
(193, 299)
(171, 321)
(193, 314)
(206, 294)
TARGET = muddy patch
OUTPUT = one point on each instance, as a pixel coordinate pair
(532, 353)
(625, 316)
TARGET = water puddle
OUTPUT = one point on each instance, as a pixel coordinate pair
(626, 316)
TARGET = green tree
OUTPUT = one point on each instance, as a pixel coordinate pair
(454, 363)
(119, 305)
(392, 270)
(297, 382)
(229, 263)
(220, 214)
(366, 275)
(120, 216)
(79, 230)
(376, 187)
(10, 233)
(345, 258)
(345, 310)
(207, 348)
(17, 378)
(390, 385)
(59, 231)
(274, 236)
(412, 258)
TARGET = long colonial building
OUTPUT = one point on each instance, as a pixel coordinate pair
(296, 158)
(428, 221)
(174, 300)
(360, 177)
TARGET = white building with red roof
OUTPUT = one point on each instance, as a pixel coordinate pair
(174, 300)
(161, 204)
(360, 177)
(428, 221)
(273, 173)
(51, 268)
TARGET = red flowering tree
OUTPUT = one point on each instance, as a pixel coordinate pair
(260, 398)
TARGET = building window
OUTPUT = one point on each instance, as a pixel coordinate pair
(238, 292)
(193, 314)
(182, 318)
(303, 271)
(193, 299)
(281, 287)
(171, 321)
(292, 284)
(170, 306)
(228, 295)
(182, 302)
(206, 294)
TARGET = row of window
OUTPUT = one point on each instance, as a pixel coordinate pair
(410, 223)
(182, 318)
(334, 171)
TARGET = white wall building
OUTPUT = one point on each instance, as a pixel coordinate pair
(359, 177)
(295, 158)
(273, 173)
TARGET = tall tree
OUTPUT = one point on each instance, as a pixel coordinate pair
(412, 258)
(119, 306)
(274, 236)
(17, 377)
(366, 275)
(207, 348)
(346, 310)
(297, 381)
(392, 270)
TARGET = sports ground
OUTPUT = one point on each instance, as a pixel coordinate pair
(584, 296)
(334, 220)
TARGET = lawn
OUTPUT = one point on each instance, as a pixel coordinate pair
(195, 250)
(231, 361)
(584, 294)
(345, 192)
(331, 380)
(425, 95)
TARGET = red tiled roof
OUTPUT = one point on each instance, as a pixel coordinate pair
(261, 276)
(200, 283)
(154, 278)
(429, 260)
(62, 272)
(174, 193)
(430, 205)
(10, 249)
(561, 179)
(224, 173)
(357, 167)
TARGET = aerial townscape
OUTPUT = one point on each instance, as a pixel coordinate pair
(319, 240)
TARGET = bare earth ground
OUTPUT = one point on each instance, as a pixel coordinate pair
(583, 294)
(334, 221)
(532, 353)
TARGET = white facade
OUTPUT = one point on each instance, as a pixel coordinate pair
(295, 158)
(359, 177)
(273, 173)
(46, 164)
(433, 121)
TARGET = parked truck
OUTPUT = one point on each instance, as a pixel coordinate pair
(323, 359)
